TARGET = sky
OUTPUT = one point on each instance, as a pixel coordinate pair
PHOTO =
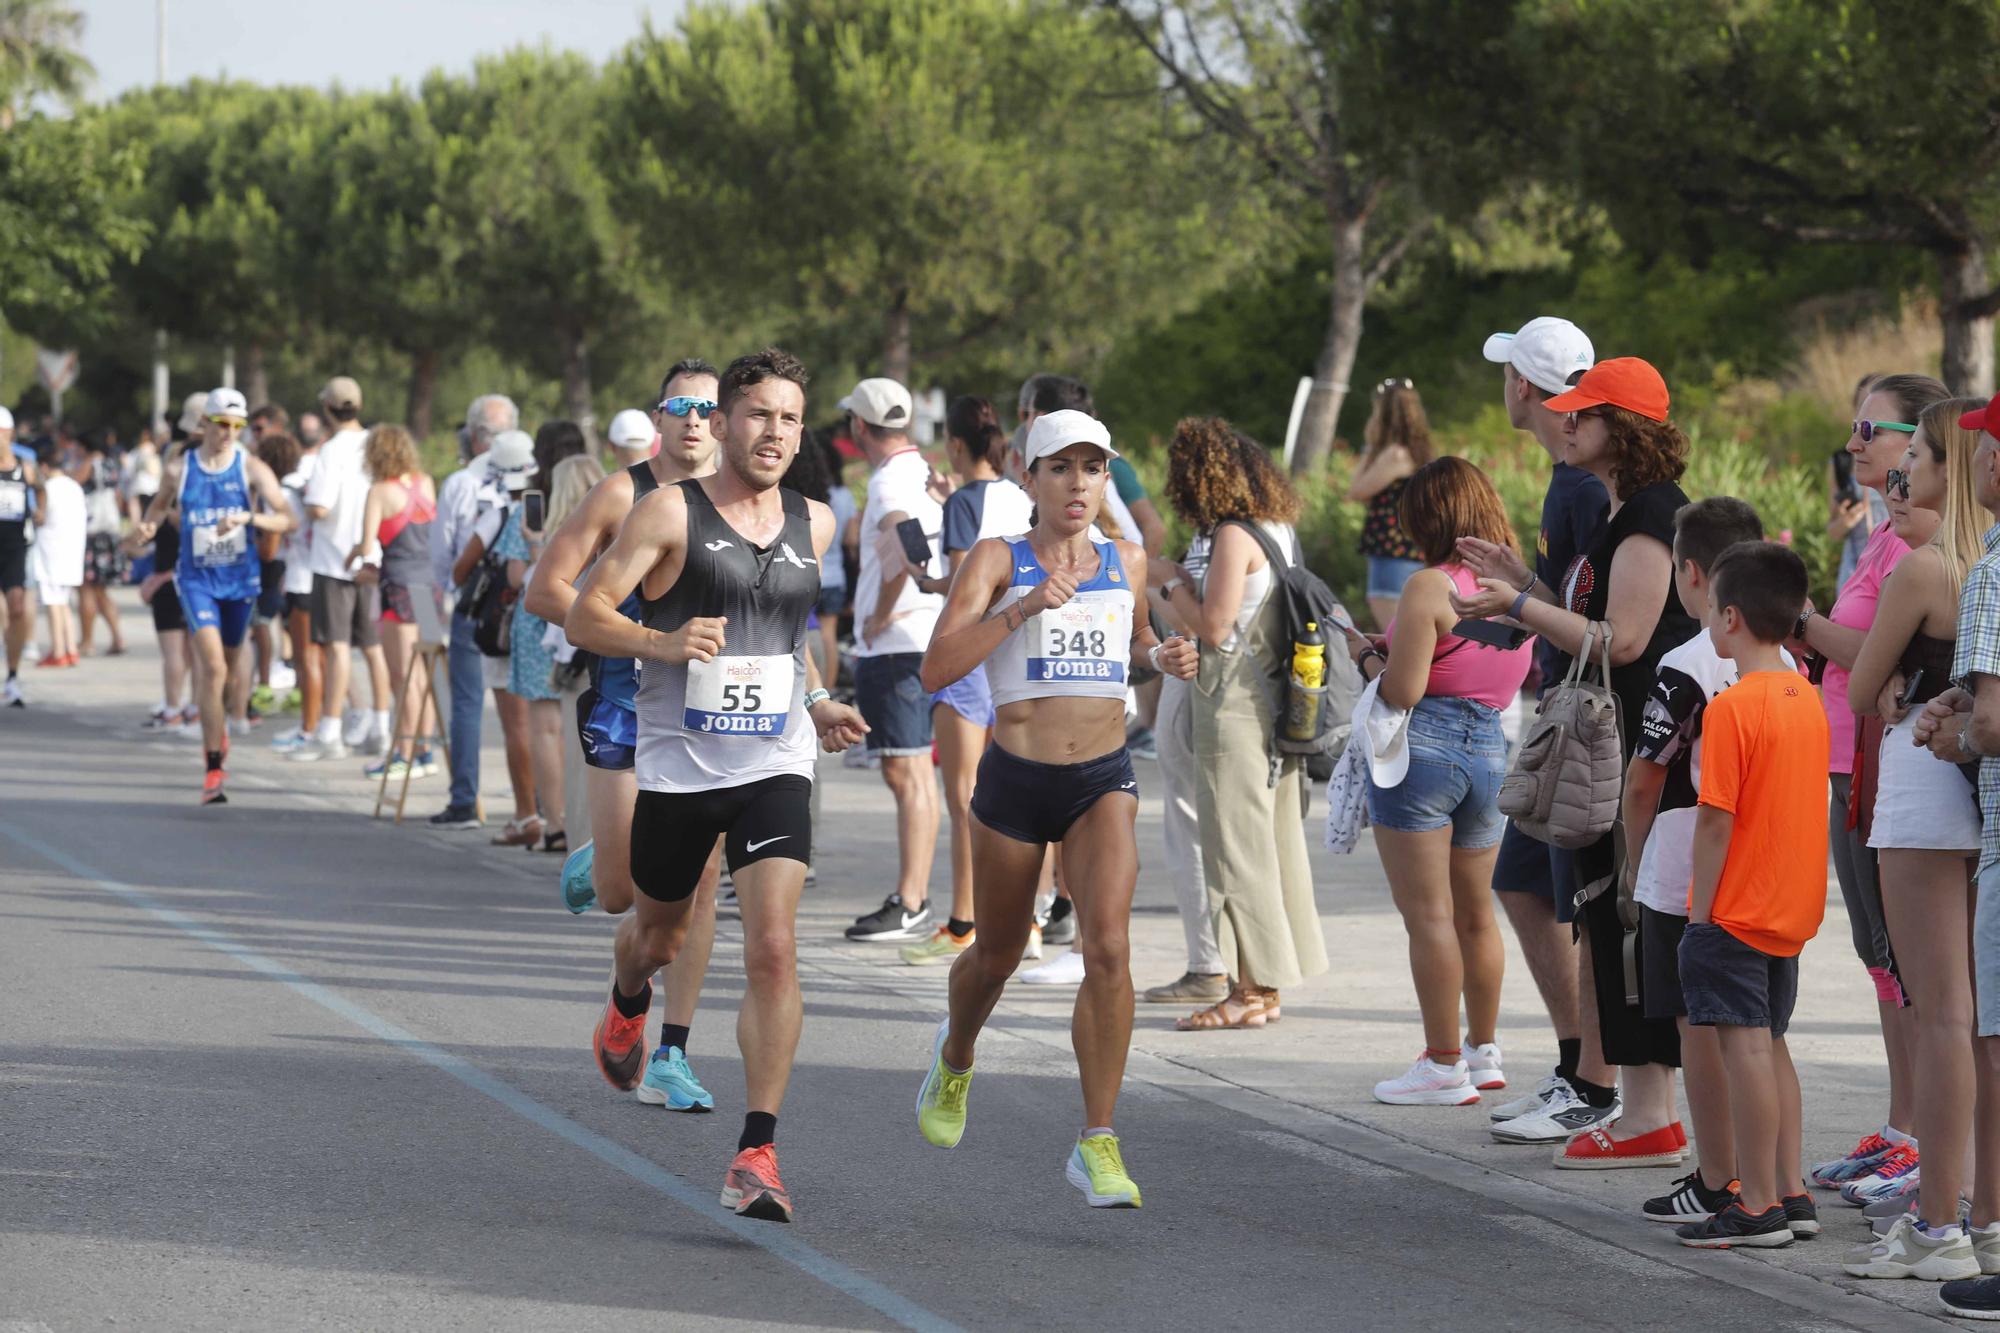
(358, 43)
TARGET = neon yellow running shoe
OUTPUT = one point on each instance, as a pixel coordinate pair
(941, 1100)
(941, 947)
(1096, 1168)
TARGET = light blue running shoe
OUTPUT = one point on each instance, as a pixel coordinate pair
(669, 1082)
(578, 893)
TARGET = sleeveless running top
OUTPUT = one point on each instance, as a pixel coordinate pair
(225, 565)
(739, 718)
(616, 679)
(406, 541)
(1078, 650)
(14, 504)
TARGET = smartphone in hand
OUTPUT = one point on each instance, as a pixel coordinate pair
(915, 544)
(534, 511)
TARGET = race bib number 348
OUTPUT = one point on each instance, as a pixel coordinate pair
(739, 696)
(1081, 640)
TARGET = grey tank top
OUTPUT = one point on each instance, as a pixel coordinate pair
(741, 717)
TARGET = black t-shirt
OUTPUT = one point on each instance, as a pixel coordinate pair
(1572, 518)
(1586, 590)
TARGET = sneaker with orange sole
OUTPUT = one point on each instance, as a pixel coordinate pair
(211, 788)
(620, 1042)
(752, 1188)
(1596, 1150)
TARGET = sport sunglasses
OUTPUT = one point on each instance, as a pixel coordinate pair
(1898, 484)
(1867, 430)
(680, 405)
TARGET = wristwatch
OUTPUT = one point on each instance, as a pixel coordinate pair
(1965, 742)
(1799, 625)
(816, 697)
(1167, 588)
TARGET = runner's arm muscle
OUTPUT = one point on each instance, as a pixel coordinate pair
(966, 635)
(655, 531)
(276, 515)
(552, 591)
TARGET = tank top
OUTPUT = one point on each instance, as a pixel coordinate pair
(14, 507)
(1382, 525)
(1079, 649)
(616, 679)
(225, 565)
(1467, 669)
(406, 541)
(741, 717)
(1933, 657)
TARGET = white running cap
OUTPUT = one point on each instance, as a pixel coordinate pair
(1546, 351)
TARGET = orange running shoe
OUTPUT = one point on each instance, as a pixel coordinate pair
(211, 788)
(752, 1187)
(620, 1043)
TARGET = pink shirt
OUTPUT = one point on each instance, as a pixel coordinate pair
(1855, 608)
(1465, 669)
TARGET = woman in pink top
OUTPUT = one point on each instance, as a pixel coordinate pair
(1439, 829)
(1886, 417)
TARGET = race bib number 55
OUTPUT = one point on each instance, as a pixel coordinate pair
(1081, 640)
(739, 696)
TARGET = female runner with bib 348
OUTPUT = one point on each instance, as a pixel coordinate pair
(1058, 619)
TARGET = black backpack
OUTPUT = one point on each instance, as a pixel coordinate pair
(488, 602)
(1303, 598)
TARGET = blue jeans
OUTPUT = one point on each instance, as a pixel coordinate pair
(466, 669)
(1457, 758)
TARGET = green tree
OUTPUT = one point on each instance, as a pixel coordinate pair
(936, 181)
(1363, 116)
(1809, 121)
(66, 189)
(38, 55)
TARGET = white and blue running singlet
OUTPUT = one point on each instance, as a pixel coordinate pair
(740, 717)
(222, 564)
(1078, 649)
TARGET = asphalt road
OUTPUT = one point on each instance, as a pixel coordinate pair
(274, 1066)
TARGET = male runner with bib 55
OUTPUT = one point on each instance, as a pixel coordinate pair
(1058, 620)
(727, 570)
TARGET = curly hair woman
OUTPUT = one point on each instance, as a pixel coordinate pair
(1248, 800)
(1617, 431)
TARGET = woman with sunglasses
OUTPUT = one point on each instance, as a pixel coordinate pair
(1618, 432)
(1398, 437)
(1926, 825)
(1884, 422)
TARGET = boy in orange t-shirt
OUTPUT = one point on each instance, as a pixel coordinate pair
(1759, 887)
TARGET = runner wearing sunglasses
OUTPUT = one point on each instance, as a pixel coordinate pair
(607, 723)
(219, 572)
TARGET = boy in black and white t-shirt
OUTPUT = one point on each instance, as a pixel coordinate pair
(1662, 787)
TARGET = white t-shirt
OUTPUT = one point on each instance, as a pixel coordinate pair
(339, 485)
(59, 535)
(294, 549)
(1670, 734)
(901, 483)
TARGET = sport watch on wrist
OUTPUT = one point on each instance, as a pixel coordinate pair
(816, 697)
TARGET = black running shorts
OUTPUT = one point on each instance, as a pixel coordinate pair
(1036, 803)
(673, 832)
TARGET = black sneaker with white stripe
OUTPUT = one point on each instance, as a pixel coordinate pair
(1733, 1228)
(892, 921)
(1688, 1201)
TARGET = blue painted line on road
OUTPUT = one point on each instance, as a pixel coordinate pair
(763, 1235)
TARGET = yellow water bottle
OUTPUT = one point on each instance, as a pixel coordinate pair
(1308, 690)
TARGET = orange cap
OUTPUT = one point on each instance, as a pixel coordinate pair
(1623, 381)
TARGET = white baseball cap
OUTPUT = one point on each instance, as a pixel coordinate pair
(881, 402)
(6, 419)
(193, 408)
(1054, 432)
(512, 458)
(631, 429)
(226, 403)
(1546, 351)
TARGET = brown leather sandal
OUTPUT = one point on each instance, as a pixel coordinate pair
(1216, 1018)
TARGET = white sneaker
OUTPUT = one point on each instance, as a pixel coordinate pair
(1429, 1083)
(1034, 946)
(1563, 1115)
(1065, 970)
(1909, 1251)
(1985, 1245)
(354, 728)
(239, 726)
(1521, 1106)
(289, 740)
(314, 751)
(1483, 1062)
(374, 744)
(10, 694)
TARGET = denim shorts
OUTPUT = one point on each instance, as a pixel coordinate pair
(1727, 982)
(832, 599)
(970, 697)
(894, 703)
(1457, 758)
(1387, 574)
